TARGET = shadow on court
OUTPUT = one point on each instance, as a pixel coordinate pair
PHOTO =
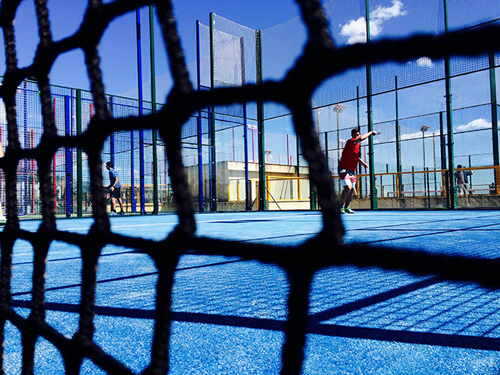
(229, 314)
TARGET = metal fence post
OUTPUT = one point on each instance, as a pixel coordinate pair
(399, 169)
(79, 156)
(494, 119)
(449, 122)
(260, 127)
(373, 187)
(213, 161)
(199, 129)
(153, 108)
(69, 157)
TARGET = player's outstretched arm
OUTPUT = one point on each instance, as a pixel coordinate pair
(366, 135)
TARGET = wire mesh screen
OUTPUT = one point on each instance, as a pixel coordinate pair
(321, 59)
(400, 91)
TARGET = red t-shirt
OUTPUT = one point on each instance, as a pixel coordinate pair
(350, 155)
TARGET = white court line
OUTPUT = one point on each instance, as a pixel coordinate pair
(214, 220)
(120, 226)
(252, 219)
(207, 221)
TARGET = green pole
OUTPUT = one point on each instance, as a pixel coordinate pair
(326, 152)
(449, 122)
(442, 148)
(314, 195)
(494, 118)
(260, 127)
(79, 156)
(373, 187)
(357, 107)
(360, 192)
(297, 143)
(213, 177)
(153, 108)
(399, 168)
(442, 140)
(313, 201)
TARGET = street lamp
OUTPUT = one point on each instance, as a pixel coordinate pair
(338, 108)
(252, 128)
(268, 152)
(424, 128)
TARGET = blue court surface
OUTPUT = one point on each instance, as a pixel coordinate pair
(229, 313)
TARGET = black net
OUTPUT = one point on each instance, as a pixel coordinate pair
(320, 61)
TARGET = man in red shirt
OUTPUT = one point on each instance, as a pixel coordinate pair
(347, 167)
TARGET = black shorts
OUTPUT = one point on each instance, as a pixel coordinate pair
(115, 193)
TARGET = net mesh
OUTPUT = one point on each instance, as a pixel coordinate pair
(320, 61)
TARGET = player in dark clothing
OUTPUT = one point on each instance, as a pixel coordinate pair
(114, 189)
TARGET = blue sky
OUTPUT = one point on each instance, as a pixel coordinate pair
(118, 46)
(389, 18)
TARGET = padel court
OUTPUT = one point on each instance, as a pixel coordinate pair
(229, 313)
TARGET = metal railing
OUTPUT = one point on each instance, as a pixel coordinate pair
(429, 189)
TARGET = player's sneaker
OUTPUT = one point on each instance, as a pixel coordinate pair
(113, 213)
(348, 210)
(3, 221)
(121, 213)
(342, 210)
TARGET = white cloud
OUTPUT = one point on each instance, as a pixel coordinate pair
(479, 123)
(382, 14)
(476, 124)
(415, 135)
(425, 61)
(355, 30)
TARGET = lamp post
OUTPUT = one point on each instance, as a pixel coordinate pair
(434, 157)
(424, 128)
(252, 128)
(268, 152)
(338, 108)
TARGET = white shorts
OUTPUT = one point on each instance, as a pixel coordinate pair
(347, 177)
(462, 187)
